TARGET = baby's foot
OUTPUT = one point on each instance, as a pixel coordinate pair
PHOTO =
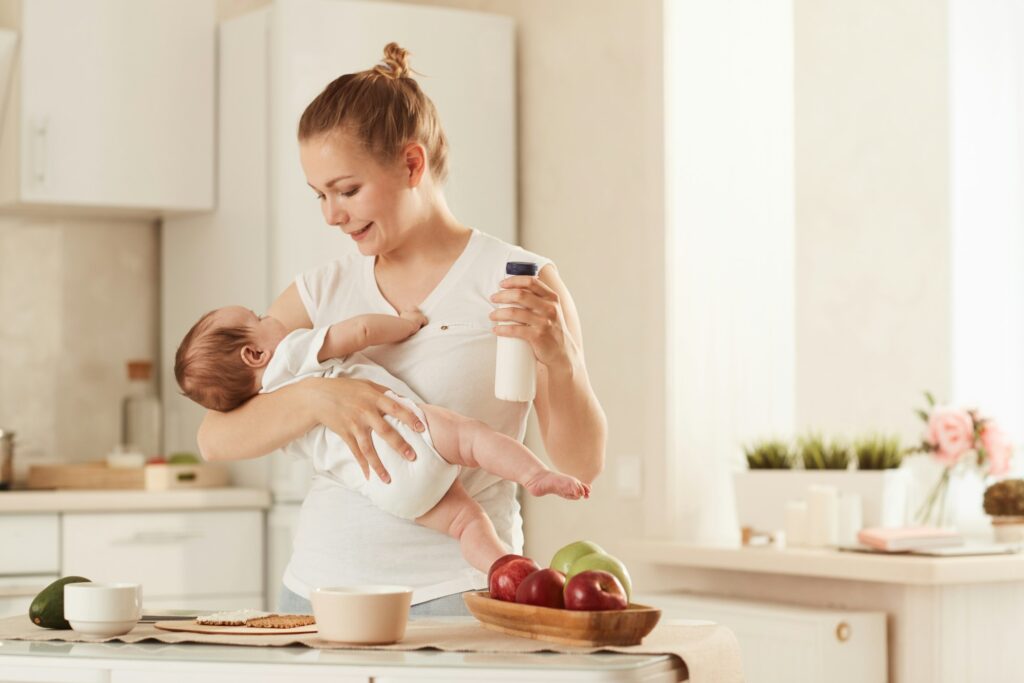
(559, 484)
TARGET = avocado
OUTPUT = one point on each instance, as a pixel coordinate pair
(47, 609)
(183, 458)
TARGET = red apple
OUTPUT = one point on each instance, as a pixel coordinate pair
(497, 563)
(594, 590)
(542, 588)
(506, 577)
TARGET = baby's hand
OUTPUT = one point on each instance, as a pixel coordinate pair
(414, 315)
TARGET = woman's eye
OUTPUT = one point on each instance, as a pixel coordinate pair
(350, 192)
(320, 197)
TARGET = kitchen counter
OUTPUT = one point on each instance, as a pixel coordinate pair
(23, 501)
(951, 619)
(162, 663)
(832, 564)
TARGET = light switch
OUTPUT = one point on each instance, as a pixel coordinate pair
(629, 476)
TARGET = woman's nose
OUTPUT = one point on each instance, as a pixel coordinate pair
(335, 214)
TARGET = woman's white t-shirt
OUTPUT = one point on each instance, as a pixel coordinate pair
(342, 538)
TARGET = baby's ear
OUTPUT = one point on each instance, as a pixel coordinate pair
(254, 357)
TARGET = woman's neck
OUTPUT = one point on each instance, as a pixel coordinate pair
(439, 238)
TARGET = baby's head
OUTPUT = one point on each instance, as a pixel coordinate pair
(220, 362)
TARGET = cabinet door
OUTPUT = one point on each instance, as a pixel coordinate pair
(170, 553)
(117, 103)
(31, 543)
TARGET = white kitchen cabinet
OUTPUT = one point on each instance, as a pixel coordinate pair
(17, 592)
(182, 559)
(111, 107)
(791, 644)
(31, 542)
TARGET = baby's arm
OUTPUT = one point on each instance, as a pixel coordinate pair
(355, 334)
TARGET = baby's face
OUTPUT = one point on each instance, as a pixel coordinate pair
(267, 332)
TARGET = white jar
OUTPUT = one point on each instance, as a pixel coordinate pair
(515, 368)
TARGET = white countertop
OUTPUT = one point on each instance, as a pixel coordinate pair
(120, 500)
(835, 564)
(104, 661)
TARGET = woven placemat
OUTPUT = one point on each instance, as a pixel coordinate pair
(709, 651)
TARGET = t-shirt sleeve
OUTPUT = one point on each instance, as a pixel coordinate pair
(316, 285)
(294, 358)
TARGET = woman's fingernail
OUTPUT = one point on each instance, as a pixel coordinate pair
(409, 454)
(420, 426)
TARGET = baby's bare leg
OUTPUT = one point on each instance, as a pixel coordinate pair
(462, 518)
(471, 443)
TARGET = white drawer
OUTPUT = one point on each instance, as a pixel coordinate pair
(169, 553)
(31, 543)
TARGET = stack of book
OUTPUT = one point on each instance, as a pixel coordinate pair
(908, 539)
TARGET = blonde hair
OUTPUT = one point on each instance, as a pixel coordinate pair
(384, 109)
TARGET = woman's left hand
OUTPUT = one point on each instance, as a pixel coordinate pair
(542, 321)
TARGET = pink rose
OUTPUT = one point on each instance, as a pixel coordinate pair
(951, 433)
(998, 449)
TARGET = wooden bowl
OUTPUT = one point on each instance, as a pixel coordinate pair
(568, 627)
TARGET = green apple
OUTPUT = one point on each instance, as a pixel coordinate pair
(564, 558)
(603, 562)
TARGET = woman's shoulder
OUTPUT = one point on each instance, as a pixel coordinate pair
(494, 250)
(328, 280)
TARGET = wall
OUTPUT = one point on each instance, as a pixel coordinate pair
(872, 151)
(78, 298)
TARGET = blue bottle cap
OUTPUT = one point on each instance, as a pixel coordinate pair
(521, 268)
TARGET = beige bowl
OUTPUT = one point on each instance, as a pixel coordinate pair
(367, 615)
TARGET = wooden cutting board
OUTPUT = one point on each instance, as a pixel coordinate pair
(192, 627)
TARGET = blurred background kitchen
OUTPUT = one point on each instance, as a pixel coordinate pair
(776, 218)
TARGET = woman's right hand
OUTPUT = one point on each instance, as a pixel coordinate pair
(352, 409)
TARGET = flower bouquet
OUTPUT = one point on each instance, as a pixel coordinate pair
(959, 440)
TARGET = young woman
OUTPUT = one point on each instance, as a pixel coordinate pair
(375, 157)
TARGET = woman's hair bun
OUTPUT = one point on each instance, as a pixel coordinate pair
(395, 63)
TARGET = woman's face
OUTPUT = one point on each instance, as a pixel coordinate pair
(370, 201)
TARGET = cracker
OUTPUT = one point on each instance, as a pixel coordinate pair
(281, 621)
(235, 618)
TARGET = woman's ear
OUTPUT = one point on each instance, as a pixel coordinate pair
(414, 161)
(254, 357)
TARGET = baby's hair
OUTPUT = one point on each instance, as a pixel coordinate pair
(383, 108)
(209, 367)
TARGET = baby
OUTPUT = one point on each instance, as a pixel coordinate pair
(232, 354)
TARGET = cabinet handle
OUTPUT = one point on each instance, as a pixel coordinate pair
(39, 132)
(843, 631)
(153, 537)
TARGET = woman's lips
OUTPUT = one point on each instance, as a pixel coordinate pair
(360, 234)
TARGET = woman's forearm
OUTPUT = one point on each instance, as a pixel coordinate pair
(265, 423)
(576, 429)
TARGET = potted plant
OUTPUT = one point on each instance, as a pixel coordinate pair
(816, 454)
(1004, 501)
(773, 477)
(878, 452)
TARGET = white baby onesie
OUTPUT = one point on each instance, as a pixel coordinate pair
(415, 486)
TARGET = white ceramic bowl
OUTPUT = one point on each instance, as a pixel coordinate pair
(367, 615)
(103, 609)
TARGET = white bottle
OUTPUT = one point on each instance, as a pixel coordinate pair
(515, 368)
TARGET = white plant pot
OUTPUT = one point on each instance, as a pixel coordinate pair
(761, 495)
(1008, 529)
